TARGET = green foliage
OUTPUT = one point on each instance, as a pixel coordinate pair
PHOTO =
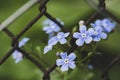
(70, 12)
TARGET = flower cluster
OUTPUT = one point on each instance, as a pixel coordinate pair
(16, 54)
(97, 32)
(60, 37)
(51, 27)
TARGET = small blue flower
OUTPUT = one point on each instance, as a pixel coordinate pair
(66, 62)
(97, 34)
(54, 40)
(50, 26)
(83, 36)
(16, 54)
(108, 26)
(61, 37)
(105, 24)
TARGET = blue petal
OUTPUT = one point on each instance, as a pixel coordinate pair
(103, 35)
(47, 48)
(17, 56)
(88, 40)
(59, 62)
(90, 31)
(82, 29)
(46, 22)
(98, 22)
(63, 55)
(112, 25)
(76, 35)
(63, 41)
(79, 42)
(47, 29)
(72, 65)
(97, 39)
(23, 42)
(64, 67)
(71, 56)
(66, 34)
(57, 29)
(52, 41)
(15, 53)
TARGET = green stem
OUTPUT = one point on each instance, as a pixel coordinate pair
(16, 14)
(65, 77)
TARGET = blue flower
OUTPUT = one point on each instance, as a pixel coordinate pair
(105, 24)
(98, 34)
(16, 54)
(50, 26)
(60, 37)
(108, 26)
(66, 62)
(83, 36)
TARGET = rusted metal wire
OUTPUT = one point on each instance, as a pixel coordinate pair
(43, 12)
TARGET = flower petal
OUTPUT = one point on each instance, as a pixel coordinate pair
(63, 41)
(71, 56)
(66, 34)
(23, 42)
(72, 65)
(76, 35)
(59, 62)
(96, 39)
(79, 42)
(47, 48)
(52, 41)
(63, 55)
(82, 29)
(88, 40)
(64, 67)
(98, 22)
(17, 56)
(90, 31)
(103, 35)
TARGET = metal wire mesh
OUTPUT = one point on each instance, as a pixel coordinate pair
(43, 12)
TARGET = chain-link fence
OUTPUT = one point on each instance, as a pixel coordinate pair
(100, 10)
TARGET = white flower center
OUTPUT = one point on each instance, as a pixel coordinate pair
(83, 35)
(66, 61)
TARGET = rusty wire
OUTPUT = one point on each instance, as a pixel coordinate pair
(43, 12)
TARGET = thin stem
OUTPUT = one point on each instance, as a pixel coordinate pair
(16, 14)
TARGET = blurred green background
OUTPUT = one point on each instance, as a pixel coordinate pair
(70, 12)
